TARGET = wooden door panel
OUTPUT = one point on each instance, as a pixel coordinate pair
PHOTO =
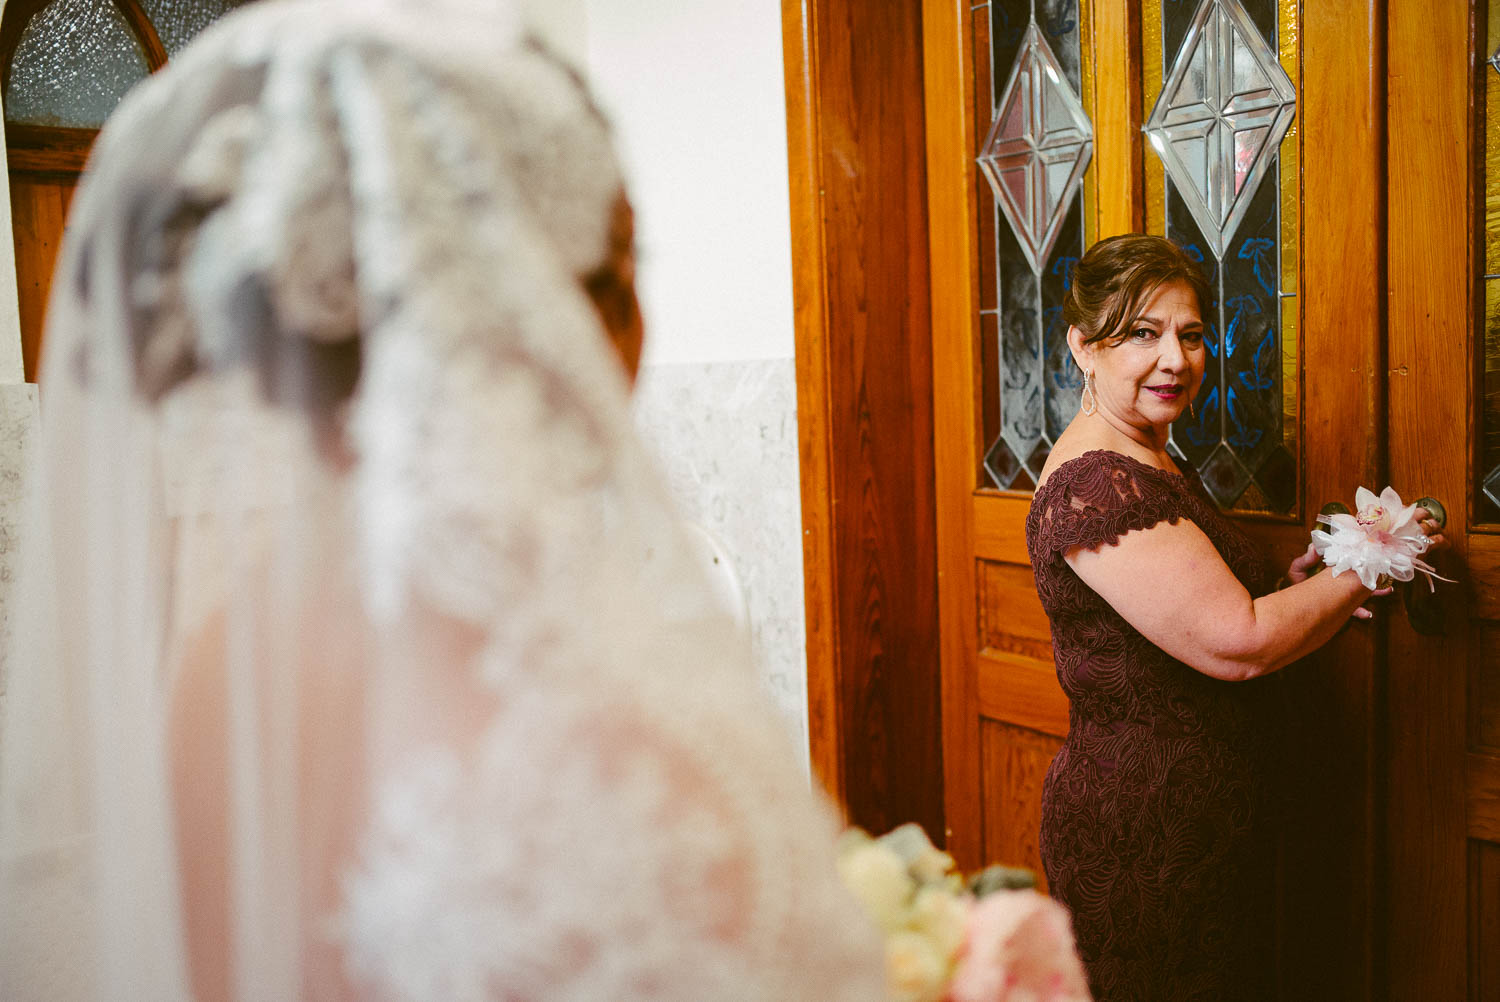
(38, 208)
(1484, 930)
(1015, 762)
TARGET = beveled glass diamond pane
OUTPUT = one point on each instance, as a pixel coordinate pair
(1253, 369)
(1040, 128)
(1002, 466)
(1228, 83)
(1492, 487)
(1224, 477)
(1246, 143)
(1033, 160)
(1012, 124)
(1195, 91)
(75, 60)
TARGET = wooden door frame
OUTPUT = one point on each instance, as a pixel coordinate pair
(856, 151)
(1433, 807)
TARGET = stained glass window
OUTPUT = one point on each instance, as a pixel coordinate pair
(1220, 81)
(74, 62)
(177, 22)
(77, 58)
(1034, 152)
(1489, 94)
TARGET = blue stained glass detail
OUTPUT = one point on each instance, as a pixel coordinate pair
(1058, 20)
(1252, 343)
(1197, 435)
(1008, 22)
(1020, 350)
(1235, 436)
(1062, 382)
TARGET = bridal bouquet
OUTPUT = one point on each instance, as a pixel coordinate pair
(992, 939)
(1382, 539)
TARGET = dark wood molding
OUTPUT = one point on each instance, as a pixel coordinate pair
(46, 149)
(957, 445)
(864, 369)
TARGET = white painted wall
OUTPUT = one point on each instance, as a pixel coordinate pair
(696, 93)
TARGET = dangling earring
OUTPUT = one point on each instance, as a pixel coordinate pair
(1191, 411)
(1088, 402)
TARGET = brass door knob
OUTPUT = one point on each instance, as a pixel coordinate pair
(1424, 610)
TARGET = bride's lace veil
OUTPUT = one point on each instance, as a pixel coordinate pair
(358, 655)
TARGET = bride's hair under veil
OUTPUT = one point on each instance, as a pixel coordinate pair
(358, 654)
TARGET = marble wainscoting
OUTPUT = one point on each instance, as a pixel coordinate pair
(725, 434)
(18, 433)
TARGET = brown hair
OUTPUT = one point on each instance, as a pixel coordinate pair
(1118, 274)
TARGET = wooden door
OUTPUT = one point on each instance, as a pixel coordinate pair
(1443, 393)
(1290, 226)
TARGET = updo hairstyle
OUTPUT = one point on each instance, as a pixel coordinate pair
(1117, 275)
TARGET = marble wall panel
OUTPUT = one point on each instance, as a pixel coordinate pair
(725, 434)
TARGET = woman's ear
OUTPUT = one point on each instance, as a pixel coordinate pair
(1081, 351)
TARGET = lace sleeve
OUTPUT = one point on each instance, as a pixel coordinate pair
(1092, 501)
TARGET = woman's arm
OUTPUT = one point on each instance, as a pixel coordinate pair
(1172, 586)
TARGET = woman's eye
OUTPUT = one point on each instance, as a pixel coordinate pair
(1192, 337)
(1144, 334)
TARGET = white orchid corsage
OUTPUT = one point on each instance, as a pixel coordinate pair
(1381, 539)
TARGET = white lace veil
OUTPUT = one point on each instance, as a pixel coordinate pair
(358, 654)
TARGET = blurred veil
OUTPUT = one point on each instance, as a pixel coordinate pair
(358, 654)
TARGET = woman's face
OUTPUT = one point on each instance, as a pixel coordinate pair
(612, 288)
(1149, 377)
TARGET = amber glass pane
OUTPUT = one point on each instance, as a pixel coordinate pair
(75, 60)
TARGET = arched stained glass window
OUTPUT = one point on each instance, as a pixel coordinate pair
(75, 60)
(64, 66)
(179, 21)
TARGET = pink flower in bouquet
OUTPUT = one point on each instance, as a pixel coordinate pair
(1018, 948)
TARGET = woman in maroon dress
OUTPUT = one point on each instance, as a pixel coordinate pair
(1155, 810)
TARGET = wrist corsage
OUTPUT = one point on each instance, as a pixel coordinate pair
(1382, 539)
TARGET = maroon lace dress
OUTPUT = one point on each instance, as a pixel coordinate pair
(1155, 814)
